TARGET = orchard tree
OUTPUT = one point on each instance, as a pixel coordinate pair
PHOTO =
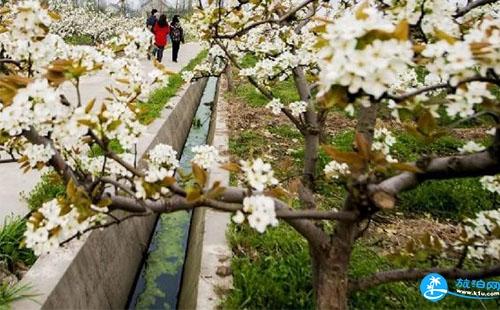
(361, 57)
(88, 20)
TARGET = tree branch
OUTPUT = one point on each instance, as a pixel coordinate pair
(474, 165)
(415, 274)
(440, 86)
(466, 9)
(267, 21)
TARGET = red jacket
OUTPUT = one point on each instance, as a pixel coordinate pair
(161, 34)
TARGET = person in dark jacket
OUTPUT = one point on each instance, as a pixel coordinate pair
(176, 36)
(152, 19)
(161, 30)
(150, 23)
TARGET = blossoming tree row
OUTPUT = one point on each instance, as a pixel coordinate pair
(359, 57)
(88, 20)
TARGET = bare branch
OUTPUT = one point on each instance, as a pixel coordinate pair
(283, 18)
(478, 164)
(441, 86)
(115, 221)
(416, 274)
(473, 5)
(114, 156)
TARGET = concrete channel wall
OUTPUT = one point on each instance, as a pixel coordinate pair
(98, 271)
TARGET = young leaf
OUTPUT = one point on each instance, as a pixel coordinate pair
(231, 167)
(200, 175)
(363, 146)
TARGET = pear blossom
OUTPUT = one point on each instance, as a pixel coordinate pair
(298, 107)
(471, 147)
(205, 156)
(491, 183)
(334, 169)
(258, 174)
(262, 212)
(275, 105)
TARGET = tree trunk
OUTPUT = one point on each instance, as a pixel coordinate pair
(229, 77)
(330, 281)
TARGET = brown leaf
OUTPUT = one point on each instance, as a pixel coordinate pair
(363, 146)
(231, 167)
(402, 30)
(406, 167)
(200, 175)
(353, 159)
(383, 200)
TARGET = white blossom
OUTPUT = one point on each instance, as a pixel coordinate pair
(262, 212)
(205, 156)
(471, 147)
(258, 174)
(335, 169)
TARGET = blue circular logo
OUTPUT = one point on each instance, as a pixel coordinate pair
(433, 287)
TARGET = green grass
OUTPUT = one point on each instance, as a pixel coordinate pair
(152, 109)
(11, 293)
(80, 40)
(49, 187)
(272, 271)
(451, 199)
(285, 90)
(246, 144)
(407, 146)
(11, 235)
(286, 131)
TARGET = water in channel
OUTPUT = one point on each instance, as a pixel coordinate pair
(159, 283)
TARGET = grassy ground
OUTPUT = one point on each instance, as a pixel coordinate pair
(151, 109)
(272, 270)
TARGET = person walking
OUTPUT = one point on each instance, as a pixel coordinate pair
(176, 36)
(161, 30)
(150, 23)
(152, 19)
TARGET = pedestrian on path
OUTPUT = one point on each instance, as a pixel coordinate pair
(150, 23)
(161, 31)
(177, 36)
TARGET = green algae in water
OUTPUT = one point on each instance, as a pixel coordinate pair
(166, 260)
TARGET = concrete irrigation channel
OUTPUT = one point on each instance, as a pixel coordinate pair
(110, 269)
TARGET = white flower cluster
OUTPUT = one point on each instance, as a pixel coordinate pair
(275, 105)
(261, 212)
(38, 153)
(471, 147)
(87, 20)
(53, 223)
(162, 162)
(27, 25)
(258, 174)
(334, 169)
(353, 60)
(383, 140)
(491, 183)
(298, 107)
(464, 100)
(481, 235)
(36, 105)
(205, 156)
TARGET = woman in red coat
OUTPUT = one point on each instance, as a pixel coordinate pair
(161, 30)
